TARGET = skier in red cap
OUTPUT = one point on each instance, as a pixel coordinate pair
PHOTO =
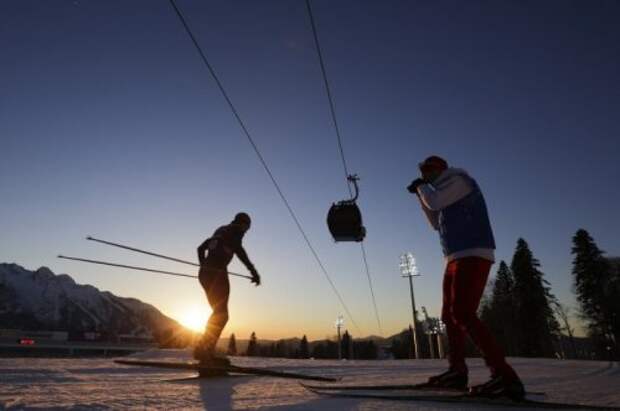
(455, 207)
(213, 276)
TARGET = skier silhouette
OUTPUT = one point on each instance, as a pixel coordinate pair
(220, 248)
(455, 207)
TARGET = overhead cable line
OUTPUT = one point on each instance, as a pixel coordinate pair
(372, 291)
(329, 95)
(340, 146)
(261, 159)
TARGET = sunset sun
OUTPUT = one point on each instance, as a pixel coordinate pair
(195, 318)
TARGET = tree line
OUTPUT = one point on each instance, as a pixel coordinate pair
(528, 319)
(325, 349)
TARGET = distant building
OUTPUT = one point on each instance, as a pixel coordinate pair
(39, 336)
(92, 336)
(144, 338)
(9, 333)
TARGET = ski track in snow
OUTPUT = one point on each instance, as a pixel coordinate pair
(100, 384)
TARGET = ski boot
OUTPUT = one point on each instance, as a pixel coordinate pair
(212, 365)
(215, 361)
(500, 386)
(455, 379)
(199, 351)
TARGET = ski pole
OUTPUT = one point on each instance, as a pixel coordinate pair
(126, 247)
(132, 267)
(165, 257)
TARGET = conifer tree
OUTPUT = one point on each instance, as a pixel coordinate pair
(252, 350)
(536, 325)
(304, 351)
(597, 288)
(232, 345)
(346, 345)
(501, 309)
(614, 289)
(410, 346)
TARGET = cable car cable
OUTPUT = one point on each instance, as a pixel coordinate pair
(329, 94)
(340, 146)
(372, 291)
(262, 160)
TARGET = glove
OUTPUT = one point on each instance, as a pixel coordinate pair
(255, 277)
(413, 187)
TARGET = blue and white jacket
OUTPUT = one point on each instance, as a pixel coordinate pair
(456, 208)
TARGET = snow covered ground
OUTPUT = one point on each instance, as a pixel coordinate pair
(37, 383)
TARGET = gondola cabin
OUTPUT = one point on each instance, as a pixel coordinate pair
(344, 218)
(345, 222)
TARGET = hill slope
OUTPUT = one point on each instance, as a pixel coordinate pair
(36, 300)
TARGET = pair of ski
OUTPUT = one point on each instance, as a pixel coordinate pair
(425, 393)
(405, 392)
(211, 371)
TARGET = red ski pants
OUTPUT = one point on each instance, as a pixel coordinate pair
(463, 285)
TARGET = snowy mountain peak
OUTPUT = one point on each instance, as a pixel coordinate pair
(65, 278)
(36, 300)
(44, 273)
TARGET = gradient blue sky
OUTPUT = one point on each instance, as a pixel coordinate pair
(110, 126)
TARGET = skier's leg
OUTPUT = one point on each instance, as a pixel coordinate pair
(456, 376)
(217, 289)
(469, 282)
(456, 335)
(218, 299)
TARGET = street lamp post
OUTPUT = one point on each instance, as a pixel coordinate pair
(430, 331)
(408, 269)
(339, 324)
(440, 333)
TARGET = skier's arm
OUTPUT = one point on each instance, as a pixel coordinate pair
(438, 197)
(201, 251)
(432, 216)
(243, 256)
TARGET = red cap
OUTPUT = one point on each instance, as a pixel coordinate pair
(434, 162)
